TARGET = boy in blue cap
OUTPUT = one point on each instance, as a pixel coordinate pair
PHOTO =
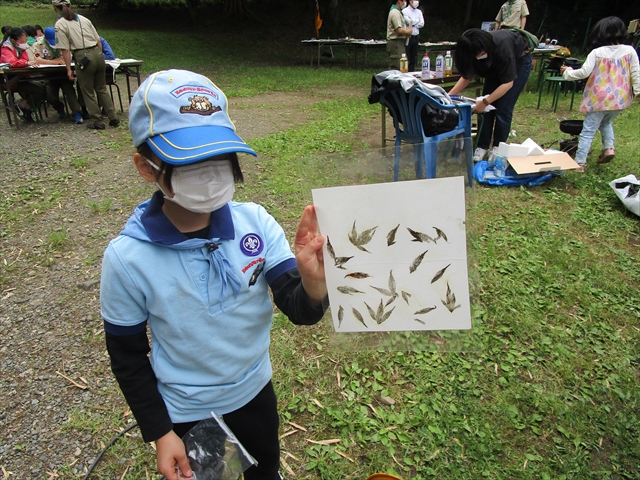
(196, 268)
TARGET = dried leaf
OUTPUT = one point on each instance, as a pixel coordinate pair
(324, 442)
(348, 290)
(420, 237)
(406, 296)
(372, 314)
(340, 315)
(392, 283)
(417, 261)
(339, 261)
(441, 234)
(383, 291)
(419, 321)
(353, 235)
(357, 275)
(391, 300)
(332, 253)
(358, 316)
(391, 236)
(366, 236)
(380, 311)
(386, 316)
(438, 275)
(425, 310)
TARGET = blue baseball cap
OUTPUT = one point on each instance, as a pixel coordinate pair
(50, 35)
(183, 117)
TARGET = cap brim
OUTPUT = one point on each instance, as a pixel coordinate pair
(194, 144)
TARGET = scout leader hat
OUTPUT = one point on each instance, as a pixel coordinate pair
(183, 118)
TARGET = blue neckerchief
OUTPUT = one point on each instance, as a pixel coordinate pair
(150, 224)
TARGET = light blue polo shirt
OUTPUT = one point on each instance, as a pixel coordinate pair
(210, 346)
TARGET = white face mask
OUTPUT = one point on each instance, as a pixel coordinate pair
(202, 187)
(23, 46)
(482, 57)
(415, 4)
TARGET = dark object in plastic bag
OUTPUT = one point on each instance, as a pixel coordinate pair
(214, 452)
(437, 121)
(633, 189)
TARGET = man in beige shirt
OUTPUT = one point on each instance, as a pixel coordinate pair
(398, 30)
(513, 13)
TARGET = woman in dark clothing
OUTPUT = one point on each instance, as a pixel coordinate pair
(503, 60)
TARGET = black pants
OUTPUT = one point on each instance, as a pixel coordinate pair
(412, 52)
(256, 427)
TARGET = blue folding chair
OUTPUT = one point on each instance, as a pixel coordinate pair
(406, 109)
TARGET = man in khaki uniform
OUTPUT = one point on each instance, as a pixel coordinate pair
(398, 30)
(76, 36)
(513, 13)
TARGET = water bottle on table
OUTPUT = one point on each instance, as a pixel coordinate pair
(439, 66)
(426, 67)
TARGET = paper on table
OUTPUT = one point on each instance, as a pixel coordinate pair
(395, 255)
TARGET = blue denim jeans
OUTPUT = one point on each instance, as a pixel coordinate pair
(503, 114)
(593, 122)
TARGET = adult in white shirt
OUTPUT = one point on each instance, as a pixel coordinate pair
(416, 21)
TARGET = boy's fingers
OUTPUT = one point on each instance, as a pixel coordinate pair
(185, 468)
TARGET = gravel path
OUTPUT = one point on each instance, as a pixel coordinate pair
(65, 192)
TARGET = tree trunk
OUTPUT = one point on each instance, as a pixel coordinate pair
(237, 8)
(467, 13)
(192, 8)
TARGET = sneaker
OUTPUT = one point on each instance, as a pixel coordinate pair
(606, 156)
(479, 154)
(18, 109)
(96, 126)
(77, 117)
(580, 168)
(61, 113)
(114, 123)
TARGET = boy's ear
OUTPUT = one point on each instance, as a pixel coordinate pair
(145, 170)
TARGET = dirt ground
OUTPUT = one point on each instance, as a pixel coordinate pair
(65, 192)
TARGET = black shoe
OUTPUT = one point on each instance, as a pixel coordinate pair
(27, 115)
(96, 126)
(85, 114)
(114, 123)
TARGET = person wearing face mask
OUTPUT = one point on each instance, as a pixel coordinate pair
(14, 52)
(398, 30)
(416, 21)
(513, 13)
(503, 59)
(44, 52)
(196, 268)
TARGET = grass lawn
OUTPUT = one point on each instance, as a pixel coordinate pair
(551, 388)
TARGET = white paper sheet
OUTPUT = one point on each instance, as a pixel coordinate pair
(395, 255)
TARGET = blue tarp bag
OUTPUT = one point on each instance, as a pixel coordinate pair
(484, 173)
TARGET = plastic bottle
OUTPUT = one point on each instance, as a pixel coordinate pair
(448, 64)
(404, 63)
(439, 66)
(426, 67)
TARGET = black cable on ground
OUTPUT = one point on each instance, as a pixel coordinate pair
(104, 450)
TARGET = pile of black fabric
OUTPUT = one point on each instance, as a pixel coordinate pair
(434, 121)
